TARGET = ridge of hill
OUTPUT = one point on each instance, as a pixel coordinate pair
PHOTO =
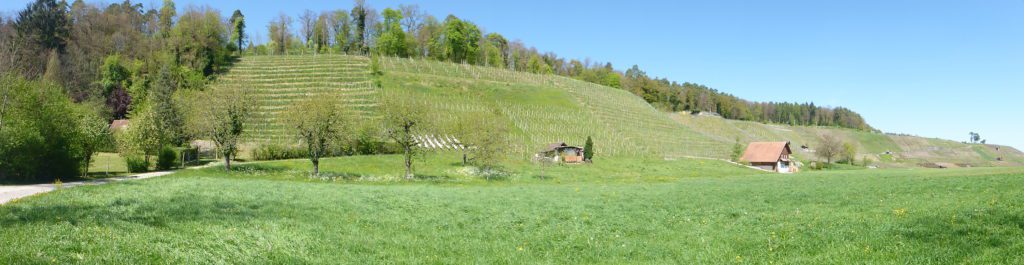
(541, 109)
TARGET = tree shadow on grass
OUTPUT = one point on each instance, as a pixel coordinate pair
(153, 212)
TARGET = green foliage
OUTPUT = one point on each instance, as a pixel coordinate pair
(136, 163)
(482, 136)
(199, 41)
(44, 29)
(219, 115)
(320, 123)
(44, 133)
(237, 23)
(460, 41)
(392, 41)
(849, 153)
(271, 151)
(167, 13)
(588, 149)
(166, 158)
(404, 119)
(737, 151)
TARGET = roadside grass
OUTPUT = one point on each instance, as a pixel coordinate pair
(579, 215)
(107, 165)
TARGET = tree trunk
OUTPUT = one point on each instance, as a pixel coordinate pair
(316, 167)
(227, 162)
(3, 108)
(88, 160)
(408, 162)
(464, 160)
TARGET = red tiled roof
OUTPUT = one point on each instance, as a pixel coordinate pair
(764, 152)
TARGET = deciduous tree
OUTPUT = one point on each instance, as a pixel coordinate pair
(829, 146)
(220, 115)
(320, 123)
(404, 119)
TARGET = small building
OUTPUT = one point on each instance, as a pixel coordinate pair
(770, 156)
(562, 152)
(118, 125)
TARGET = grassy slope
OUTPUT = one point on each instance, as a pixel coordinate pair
(266, 214)
(543, 109)
(908, 151)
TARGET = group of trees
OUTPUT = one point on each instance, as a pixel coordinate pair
(832, 148)
(45, 135)
(99, 63)
(323, 124)
(976, 138)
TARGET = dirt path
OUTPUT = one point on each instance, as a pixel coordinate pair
(14, 192)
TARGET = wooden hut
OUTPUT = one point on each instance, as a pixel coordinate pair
(562, 152)
(770, 156)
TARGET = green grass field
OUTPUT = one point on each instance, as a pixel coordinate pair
(613, 212)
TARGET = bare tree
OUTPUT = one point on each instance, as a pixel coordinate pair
(411, 17)
(307, 21)
(829, 147)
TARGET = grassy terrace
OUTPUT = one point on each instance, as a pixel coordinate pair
(619, 211)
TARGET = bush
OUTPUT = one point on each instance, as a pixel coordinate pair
(277, 152)
(43, 132)
(166, 158)
(136, 164)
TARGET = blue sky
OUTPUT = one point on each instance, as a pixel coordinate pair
(930, 68)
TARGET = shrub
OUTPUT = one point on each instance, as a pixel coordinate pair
(42, 131)
(277, 152)
(166, 158)
(136, 164)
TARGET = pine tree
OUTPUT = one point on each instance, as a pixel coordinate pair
(737, 150)
(588, 149)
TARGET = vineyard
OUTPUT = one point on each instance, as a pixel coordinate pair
(279, 81)
(546, 108)
(542, 109)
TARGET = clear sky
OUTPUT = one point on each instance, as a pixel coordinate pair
(932, 68)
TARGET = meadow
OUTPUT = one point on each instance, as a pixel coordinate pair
(619, 211)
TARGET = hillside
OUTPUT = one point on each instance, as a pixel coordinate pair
(542, 109)
(278, 81)
(905, 151)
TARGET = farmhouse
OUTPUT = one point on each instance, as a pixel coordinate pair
(561, 152)
(771, 156)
